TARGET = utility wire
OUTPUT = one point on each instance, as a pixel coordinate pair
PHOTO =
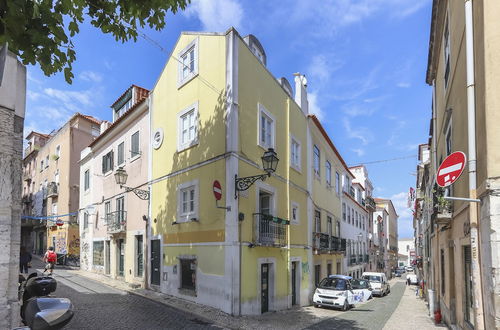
(384, 160)
(157, 44)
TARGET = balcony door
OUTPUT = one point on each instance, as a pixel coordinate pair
(265, 203)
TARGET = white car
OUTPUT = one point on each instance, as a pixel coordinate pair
(337, 291)
(378, 283)
(413, 278)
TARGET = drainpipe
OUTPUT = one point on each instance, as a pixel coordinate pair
(471, 116)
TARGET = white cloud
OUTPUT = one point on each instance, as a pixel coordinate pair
(359, 152)
(72, 100)
(357, 87)
(33, 95)
(403, 85)
(359, 132)
(314, 108)
(331, 15)
(354, 110)
(216, 15)
(90, 76)
(322, 66)
(400, 202)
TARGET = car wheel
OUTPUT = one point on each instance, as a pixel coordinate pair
(346, 306)
(315, 305)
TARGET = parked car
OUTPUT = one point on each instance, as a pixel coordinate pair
(409, 269)
(338, 291)
(398, 273)
(413, 278)
(358, 284)
(378, 282)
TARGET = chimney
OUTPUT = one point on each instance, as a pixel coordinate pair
(301, 92)
(104, 125)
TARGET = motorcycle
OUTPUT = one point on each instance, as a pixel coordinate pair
(39, 311)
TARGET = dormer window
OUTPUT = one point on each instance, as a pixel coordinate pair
(122, 105)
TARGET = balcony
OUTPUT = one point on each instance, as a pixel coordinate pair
(360, 258)
(116, 222)
(352, 260)
(270, 230)
(366, 258)
(52, 189)
(321, 242)
(351, 192)
(337, 244)
(370, 203)
(28, 198)
(443, 213)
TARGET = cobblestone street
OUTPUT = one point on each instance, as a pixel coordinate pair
(107, 304)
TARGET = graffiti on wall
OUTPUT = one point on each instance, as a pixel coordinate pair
(60, 242)
(305, 269)
(74, 246)
(85, 254)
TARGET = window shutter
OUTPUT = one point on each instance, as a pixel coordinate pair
(103, 164)
(111, 155)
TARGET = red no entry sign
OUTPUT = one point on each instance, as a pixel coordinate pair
(59, 222)
(217, 190)
(450, 169)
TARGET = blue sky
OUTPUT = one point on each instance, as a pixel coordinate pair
(365, 61)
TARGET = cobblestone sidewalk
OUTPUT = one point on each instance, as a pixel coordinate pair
(411, 313)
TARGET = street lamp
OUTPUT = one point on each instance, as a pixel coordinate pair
(121, 179)
(269, 163)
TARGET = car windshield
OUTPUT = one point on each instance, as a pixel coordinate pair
(333, 284)
(359, 284)
(372, 278)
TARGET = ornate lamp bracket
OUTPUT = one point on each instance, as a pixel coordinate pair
(142, 194)
(242, 184)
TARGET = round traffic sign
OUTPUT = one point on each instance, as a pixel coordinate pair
(59, 222)
(217, 190)
(450, 169)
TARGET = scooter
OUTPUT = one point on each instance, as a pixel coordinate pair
(39, 311)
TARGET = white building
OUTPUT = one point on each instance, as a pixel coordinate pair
(354, 226)
(113, 229)
(406, 247)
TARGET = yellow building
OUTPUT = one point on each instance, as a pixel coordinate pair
(219, 109)
(223, 232)
(326, 171)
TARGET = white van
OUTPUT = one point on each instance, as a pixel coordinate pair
(378, 282)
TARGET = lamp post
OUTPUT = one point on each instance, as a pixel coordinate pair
(269, 163)
(121, 179)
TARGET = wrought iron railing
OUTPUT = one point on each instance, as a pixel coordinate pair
(321, 241)
(52, 189)
(360, 258)
(370, 203)
(352, 260)
(337, 244)
(270, 230)
(116, 221)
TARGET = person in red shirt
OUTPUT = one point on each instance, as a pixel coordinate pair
(50, 258)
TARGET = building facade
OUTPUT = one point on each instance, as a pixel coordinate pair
(390, 233)
(51, 187)
(406, 248)
(112, 226)
(354, 226)
(463, 71)
(12, 111)
(361, 176)
(326, 170)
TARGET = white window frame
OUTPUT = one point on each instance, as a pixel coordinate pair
(263, 111)
(316, 166)
(337, 182)
(181, 81)
(295, 206)
(295, 162)
(447, 51)
(185, 217)
(58, 151)
(132, 158)
(86, 174)
(118, 153)
(448, 138)
(328, 173)
(184, 145)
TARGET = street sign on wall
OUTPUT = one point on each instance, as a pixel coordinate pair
(451, 169)
(59, 222)
(217, 190)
